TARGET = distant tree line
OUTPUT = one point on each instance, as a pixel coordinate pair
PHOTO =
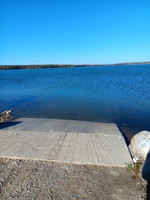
(7, 67)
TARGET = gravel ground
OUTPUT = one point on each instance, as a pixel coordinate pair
(41, 180)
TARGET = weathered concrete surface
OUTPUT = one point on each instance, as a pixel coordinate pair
(65, 141)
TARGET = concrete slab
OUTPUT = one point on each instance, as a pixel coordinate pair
(65, 141)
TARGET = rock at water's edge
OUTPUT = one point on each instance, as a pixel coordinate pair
(140, 145)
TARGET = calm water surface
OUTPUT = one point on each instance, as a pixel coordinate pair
(118, 94)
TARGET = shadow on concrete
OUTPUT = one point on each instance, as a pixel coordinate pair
(9, 124)
(146, 174)
(123, 134)
(125, 137)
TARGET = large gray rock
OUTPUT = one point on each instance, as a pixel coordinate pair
(140, 145)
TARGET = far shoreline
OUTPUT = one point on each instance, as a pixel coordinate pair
(11, 67)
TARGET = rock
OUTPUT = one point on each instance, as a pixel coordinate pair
(5, 116)
(140, 145)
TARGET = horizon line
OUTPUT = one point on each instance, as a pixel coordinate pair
(139, 62)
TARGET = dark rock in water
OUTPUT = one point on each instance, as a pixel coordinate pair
(5, 116)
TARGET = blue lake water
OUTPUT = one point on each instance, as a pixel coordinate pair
(118, 94)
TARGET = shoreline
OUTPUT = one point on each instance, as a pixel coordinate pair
(10, 67)
(21, 179)
(25, 174)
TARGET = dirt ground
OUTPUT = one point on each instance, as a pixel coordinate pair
(41, 180)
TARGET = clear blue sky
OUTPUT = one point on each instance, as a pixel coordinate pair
(74, 31)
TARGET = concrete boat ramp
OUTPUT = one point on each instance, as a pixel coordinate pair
(64, 141)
